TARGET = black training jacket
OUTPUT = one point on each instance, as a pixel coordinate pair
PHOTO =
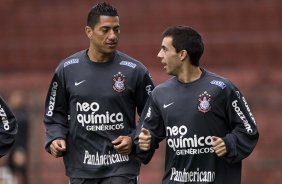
(188, 115)
(8, 128)
(89, 105)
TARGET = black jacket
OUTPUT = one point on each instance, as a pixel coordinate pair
(188, 115)
(8, 128)
(89, 105)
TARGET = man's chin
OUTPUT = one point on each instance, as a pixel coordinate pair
(112, 47)
(167, 71)
(110, 50)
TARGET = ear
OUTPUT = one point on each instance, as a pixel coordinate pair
(88, 31)
(183, 54)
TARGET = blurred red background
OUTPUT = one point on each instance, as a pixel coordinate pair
(243, 42)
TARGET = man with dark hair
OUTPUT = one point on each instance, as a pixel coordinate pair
(8, 128)
(207, 123)
(91, 106)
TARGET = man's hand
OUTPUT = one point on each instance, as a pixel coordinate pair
(144, 139)
(58, 148)
(123, 145)
(219, 146)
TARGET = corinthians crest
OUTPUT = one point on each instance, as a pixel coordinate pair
(204, 100)
(119, 80)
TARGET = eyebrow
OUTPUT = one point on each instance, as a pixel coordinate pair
(163, 47)
(106, 26)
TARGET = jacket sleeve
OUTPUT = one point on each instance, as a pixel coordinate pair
(8, 128)
(244, 135)
(143, 90)
(151, 120)
(56, 110)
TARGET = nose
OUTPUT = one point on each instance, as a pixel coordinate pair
(113, 35)
(160, 55)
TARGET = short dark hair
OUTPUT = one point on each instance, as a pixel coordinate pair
(98, 10)
(186, 38)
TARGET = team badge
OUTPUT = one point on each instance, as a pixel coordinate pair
(119, 85)
(204, 100)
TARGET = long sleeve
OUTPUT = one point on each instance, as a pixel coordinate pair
(151, 120)
(143, 91)
(244, 136)
(8, 128)
(56, 111)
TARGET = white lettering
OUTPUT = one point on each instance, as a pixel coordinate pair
(4, 118)
(176, 143)
(192, 176)
(194, 151)
(52, 99)
(242, 116)
(249, 110)
(88, 116)
(149, 89)
(182, 130)
(106, 159)
(176, 140)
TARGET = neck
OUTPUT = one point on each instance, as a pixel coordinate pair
(189, 74)
(99, 57)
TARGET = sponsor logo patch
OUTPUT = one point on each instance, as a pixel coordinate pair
(72, 61)
(89, 117)
(4, 118)
(183, 143)
(128, 63)
(103, 159)
(119, 82)
(189, 176)
(52, 99)
(242, 116)
(204, 105)
(218, 83)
